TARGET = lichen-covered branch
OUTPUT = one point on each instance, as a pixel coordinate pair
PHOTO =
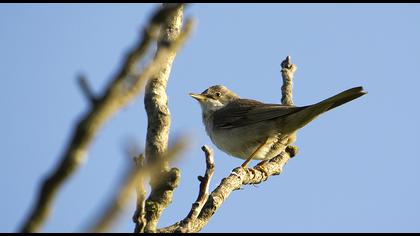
(161, 197)
(116, 96)
(241, 176)
(155, 98)
(287, 72)
(156, 105)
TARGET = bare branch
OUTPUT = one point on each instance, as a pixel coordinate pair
(204, 185)
(155, 98)
(114, 98)
(234, 181)
(156, 105)
(287, 72)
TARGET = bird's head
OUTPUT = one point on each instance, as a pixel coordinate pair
(214, 98)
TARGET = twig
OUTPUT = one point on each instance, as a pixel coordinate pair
(204, 185)
(114, 98)
(87, 91)
(184, 225)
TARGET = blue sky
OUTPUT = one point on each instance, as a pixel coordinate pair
(357, 169)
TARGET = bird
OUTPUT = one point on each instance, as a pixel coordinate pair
(252, 130)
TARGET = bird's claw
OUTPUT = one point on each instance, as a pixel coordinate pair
(262, 169)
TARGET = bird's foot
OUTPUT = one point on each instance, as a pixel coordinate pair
(260, 167)
(251, 170)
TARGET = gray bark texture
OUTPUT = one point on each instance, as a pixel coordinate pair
(159, 121)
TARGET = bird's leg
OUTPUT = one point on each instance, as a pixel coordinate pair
(291, 150)
(253, 154)
(261, 163)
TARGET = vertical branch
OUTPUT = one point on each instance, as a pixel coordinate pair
(156, 105)
(287, 72)
(155, 98)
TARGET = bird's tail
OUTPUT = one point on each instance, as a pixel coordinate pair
(309, 113)
(341, 98)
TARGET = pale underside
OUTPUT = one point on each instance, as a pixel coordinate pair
(241, 143)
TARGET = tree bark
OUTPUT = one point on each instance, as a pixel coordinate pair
(159, 121)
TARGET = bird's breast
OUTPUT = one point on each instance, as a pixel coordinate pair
(242, 142)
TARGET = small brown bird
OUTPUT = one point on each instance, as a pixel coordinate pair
(249, 129)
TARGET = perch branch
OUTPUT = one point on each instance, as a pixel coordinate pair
(115, 97)
(238, 177)
(241, 176)
(156, 105)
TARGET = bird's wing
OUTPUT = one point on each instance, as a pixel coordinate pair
(245, 112)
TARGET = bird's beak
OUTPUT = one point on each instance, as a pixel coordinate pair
(197, 96)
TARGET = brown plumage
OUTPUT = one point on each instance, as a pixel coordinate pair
(240, 126)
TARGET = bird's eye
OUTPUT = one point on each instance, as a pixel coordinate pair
(218, 94)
